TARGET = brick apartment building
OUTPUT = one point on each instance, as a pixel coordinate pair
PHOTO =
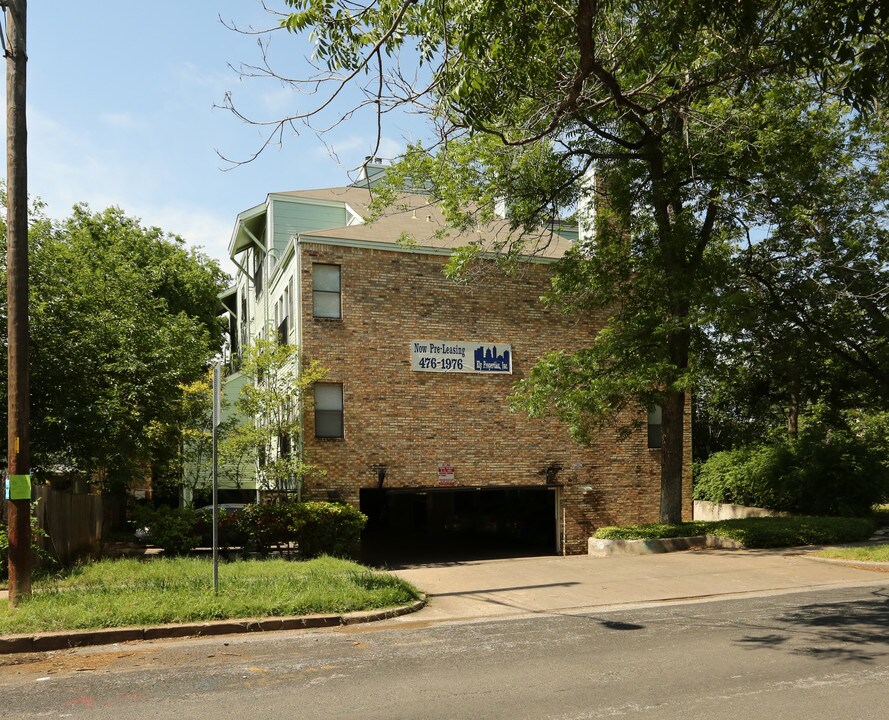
(412, 422)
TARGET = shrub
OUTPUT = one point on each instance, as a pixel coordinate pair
(316, 528)
(755, 532)
(231, 529)
(324, 528)
(174, 530)
(45, 562)
(755, 476)
(825, 471)
(786, 532)
(653, 531)
(263, 526)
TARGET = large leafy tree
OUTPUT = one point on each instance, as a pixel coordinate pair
(679, 106)
(121, 315)
(806, 313)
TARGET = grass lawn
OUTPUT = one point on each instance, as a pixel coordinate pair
(120, 593)
(874, 553)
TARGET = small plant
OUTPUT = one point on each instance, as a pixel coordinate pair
(46, 562)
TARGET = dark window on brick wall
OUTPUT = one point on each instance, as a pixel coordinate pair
(328, 410)
(655, 431)
(326, 291)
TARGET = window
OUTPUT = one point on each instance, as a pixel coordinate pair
(283, 332)
(233, 334)
(326, 291)
(328, 410)
(243, 318)
(257, 272)
(282, 317)
(655, 431)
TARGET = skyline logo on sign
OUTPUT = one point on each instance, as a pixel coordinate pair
(488, 360)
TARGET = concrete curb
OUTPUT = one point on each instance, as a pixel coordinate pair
(42, 642)
(600, 548)
(859, 564)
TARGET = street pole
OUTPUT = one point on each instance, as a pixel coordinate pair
(217, 393)
(18, 431)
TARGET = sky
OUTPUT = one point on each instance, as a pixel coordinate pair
(121, 112)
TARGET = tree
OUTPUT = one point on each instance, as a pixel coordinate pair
(664, 99)
(121, 316)
(272, 403)
(194, 423)
(190, 427)
(805, 317)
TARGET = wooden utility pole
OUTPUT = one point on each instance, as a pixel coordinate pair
(18, 430)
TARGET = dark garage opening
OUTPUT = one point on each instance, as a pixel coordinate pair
(450, 524)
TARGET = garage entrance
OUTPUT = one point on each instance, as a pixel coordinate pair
(408, 526)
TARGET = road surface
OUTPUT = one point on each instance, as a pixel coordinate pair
(820, 654)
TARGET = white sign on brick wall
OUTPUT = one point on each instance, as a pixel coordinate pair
(446, 475)
(465, 357)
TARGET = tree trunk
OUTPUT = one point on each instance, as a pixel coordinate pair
(672, 456)
(793, 411)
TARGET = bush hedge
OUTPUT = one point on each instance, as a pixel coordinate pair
(763, 532)
(824, 471)
(310, 529)
(174, 530)
(653, 531)
(324, 528)
(790, 531)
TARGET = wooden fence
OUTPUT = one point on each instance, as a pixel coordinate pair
(73, 522)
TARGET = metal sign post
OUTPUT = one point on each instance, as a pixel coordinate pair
(217, 393)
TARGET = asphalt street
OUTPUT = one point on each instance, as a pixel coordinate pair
(817, 654)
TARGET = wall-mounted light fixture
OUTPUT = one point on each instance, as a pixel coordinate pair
(380, 472)
(551, 473)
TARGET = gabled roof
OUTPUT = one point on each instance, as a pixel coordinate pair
(240, 239)
(415, 219)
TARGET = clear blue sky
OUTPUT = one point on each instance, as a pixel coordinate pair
(120, 112)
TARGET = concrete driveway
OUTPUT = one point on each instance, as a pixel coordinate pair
(566, 585)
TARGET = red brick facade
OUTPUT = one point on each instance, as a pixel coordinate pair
(413, 421)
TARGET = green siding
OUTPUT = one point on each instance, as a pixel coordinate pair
(231, 389)
(291, 218)
(568, 232)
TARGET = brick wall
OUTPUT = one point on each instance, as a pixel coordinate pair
(412, 421)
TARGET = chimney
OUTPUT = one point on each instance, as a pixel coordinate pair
(371, 172)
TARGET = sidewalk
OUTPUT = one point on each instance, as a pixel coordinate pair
(503, 588)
